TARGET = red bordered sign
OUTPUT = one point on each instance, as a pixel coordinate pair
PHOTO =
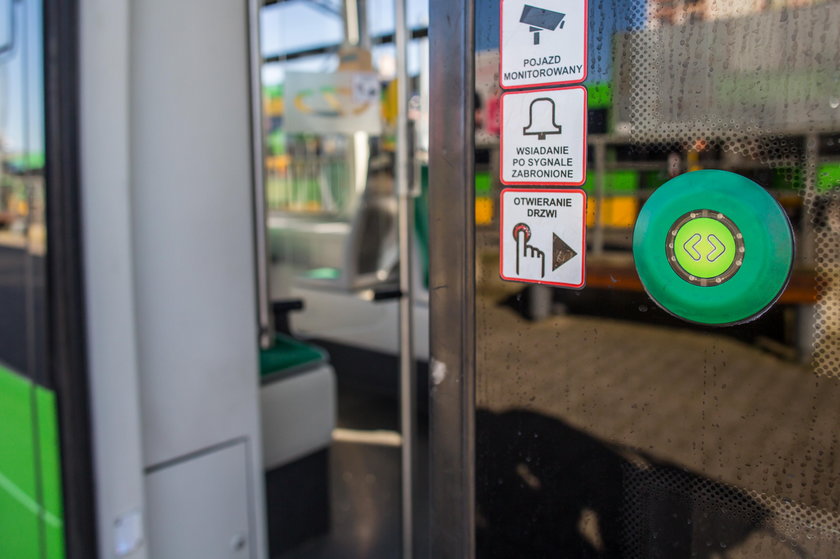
(542, 236)
(543, 137)
(542, 42)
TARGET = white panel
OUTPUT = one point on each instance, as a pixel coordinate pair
(109, 298)
(193, 224)
(193, 247)
(199, 508)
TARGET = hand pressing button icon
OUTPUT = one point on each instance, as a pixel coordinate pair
(525, 252)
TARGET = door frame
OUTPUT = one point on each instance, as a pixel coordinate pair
(66, 339)
(452, 278)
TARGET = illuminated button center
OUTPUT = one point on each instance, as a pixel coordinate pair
(705, 248)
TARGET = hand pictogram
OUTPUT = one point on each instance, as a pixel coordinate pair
(524, 251)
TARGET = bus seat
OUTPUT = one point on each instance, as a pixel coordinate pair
(298, 399)
(298, 413)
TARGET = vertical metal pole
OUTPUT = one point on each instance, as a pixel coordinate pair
(362, 19)
(406, 242)
(452, 278)
(351, 23)
(356, 24)
(266, 322)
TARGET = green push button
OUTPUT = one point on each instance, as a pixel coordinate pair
(705, 247)
(728, 248)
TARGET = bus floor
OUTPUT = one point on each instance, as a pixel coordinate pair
(365, 483)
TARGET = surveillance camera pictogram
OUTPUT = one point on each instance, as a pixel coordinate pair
(540, 19)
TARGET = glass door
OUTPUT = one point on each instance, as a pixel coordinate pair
(30, 470)
(344, 96)
(46, 479)
(681, 403)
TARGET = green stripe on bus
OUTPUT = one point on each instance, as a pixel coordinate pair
(53, 512)
(29, 508)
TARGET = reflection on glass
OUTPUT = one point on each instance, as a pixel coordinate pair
(284, 32)
(22, 204)
(329, 127)
(609, 428)
(381, 15)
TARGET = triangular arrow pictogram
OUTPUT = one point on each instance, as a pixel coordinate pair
(561, 254)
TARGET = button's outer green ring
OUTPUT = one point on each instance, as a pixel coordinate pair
(768, 243)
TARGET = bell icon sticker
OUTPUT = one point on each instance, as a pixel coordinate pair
(542, 121)
(544, 137)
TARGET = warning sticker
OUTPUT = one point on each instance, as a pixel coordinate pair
(543, 236)
(542, 42)
(544, 137)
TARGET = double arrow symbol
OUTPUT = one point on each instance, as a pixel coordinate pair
(690, 247)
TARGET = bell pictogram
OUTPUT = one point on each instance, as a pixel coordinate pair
(542, 121)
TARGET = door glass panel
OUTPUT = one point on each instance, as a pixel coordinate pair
(30, 462)
(330, 198)
(329, 152)
(22, 225)
(608, 426)
(330, 130)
